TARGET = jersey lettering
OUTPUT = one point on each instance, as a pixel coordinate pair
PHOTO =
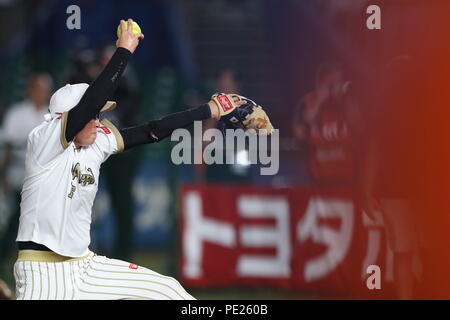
(83, 178)
(72, 191)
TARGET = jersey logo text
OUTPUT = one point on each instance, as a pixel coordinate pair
(72, 191)
(83, 178)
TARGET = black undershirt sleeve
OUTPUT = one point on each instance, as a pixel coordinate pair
(97, 94)
(157, 130)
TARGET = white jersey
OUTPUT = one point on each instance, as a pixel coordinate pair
(60, 186)
(57, 198)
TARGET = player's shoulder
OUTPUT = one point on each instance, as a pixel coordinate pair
(45, 128)
(108, 139)
(104, 130)
(107, 129)
(104, 136)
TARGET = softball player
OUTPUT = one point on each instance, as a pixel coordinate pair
(63, 161)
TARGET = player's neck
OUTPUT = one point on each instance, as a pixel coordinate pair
(77, 147)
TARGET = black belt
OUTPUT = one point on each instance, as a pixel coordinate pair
(30, 245)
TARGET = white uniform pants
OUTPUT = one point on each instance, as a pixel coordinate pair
(47, 275)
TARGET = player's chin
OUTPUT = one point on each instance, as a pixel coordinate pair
(92, 138)
(88, 140)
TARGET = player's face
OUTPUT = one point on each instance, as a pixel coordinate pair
(87, 136)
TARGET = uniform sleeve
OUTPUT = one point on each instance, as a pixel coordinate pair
(109, 141)
(47, 141)
(157, 130)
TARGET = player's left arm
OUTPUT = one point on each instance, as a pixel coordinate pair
(233, 110)
(111, 140)
(157, 130)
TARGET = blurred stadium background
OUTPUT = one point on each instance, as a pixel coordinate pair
(275, 52)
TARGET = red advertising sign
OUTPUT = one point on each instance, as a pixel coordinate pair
(283, 238)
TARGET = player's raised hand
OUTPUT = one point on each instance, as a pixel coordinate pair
(128, 39)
